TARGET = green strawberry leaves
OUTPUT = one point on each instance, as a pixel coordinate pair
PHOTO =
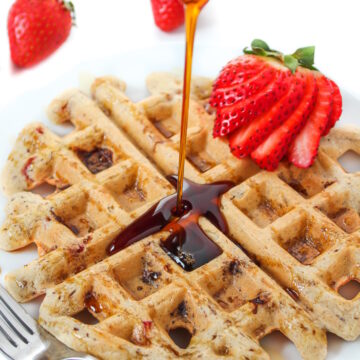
(305, 57)
(68, 5)
(260, 47)
(301, 57)
(291, 62)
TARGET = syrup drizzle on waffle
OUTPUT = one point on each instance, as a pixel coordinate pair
(187, 243)
(137, 297)
(192, 11)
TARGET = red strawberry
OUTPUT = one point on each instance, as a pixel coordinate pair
(337, 108)
(303, 150)
(247, 101)
(168, 14)
(265, 99)
(36, 28)
(237, 91)
(238, 71)
(272, 150)
(246, 139)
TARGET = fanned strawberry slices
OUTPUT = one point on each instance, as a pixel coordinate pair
(273, 105)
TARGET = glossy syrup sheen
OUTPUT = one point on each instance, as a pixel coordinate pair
(91, 303)
(192, 11)
(179, 214)
(187, 244)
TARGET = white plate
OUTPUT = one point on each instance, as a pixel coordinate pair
(133, 67)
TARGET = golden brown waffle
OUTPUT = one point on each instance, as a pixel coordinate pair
(226, 305)
(72, 227)
(140, 295)
(285, 219)
(154, 125)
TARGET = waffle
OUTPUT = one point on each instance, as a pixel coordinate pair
(90, 205)
(299, 227)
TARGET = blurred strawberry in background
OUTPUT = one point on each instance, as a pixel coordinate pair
(36, 28)
(168, 14)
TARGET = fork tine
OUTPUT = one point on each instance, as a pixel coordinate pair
(12, 308)
(15, 326)
(21, 337)
(24, 325)
(6, 354)
(8, 337)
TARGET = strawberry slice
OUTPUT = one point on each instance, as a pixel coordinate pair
(272, 150)
(235, 93)
(246, 139)
(231, 117)
(266, 99)
(239, 70)
(304, 149)
(336, 110)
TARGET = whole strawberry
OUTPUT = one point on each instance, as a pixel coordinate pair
(168, 14)
(36, 28)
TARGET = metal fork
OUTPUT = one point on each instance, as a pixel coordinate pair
(21, 338)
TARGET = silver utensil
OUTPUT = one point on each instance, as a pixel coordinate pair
(21, 338)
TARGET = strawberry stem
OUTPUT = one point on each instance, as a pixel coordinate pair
(301, 57)
(68, 5)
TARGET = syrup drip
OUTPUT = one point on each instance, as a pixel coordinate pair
(192, 11)
(187, 243)
(91, 303)
(179, 214)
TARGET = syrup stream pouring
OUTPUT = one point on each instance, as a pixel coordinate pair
(178, 214)
(192, 11)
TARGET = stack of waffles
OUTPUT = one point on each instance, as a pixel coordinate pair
(293, 239)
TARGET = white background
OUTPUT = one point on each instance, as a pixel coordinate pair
(108, 27)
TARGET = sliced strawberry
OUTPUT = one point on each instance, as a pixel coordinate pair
(231, 117)
(246, 139)
(304, 149)
(226, 96)
(263, 100)
(239, 70)
(272, 150)
(336, 110)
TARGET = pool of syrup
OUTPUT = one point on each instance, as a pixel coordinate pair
(186, 244)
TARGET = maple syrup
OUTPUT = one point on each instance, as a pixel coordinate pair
(192, 11)
(92, 304)
(179, 214)
(187, 243)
